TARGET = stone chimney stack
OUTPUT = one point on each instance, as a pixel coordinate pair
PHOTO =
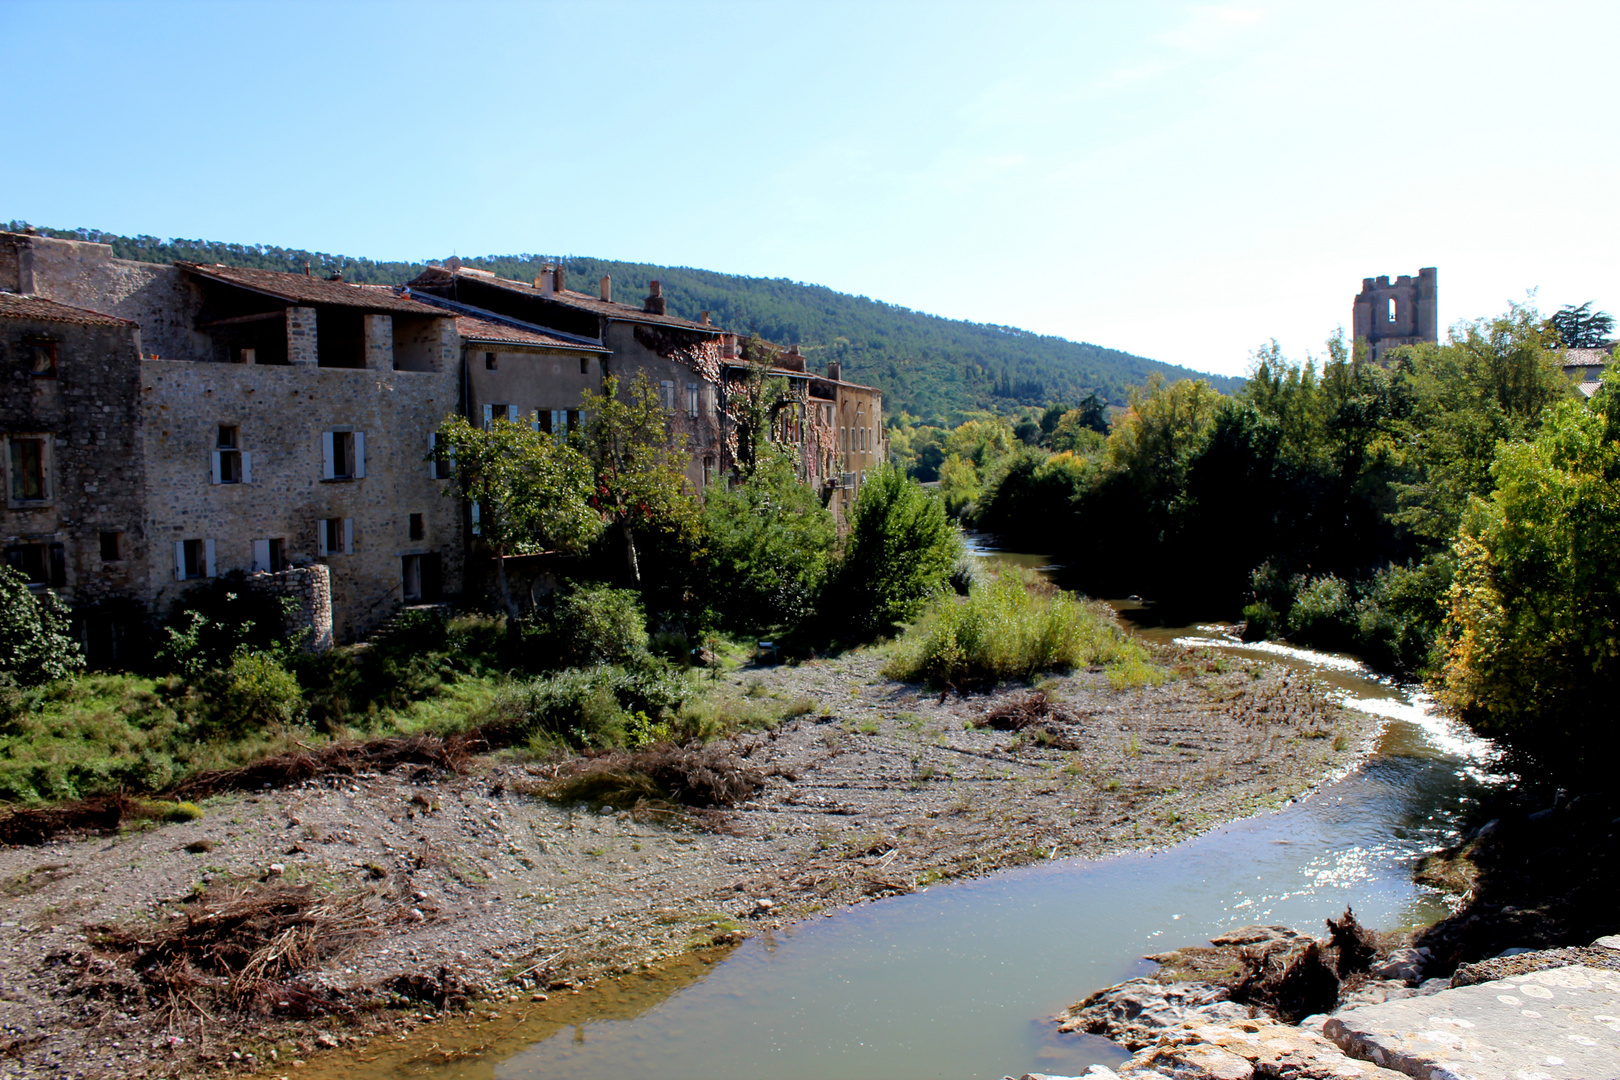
(545, 281)
(562, 277)
(793, 359)
(607, 288)
(703, 317)
(728, 346)
(655, 299)
(834, 371)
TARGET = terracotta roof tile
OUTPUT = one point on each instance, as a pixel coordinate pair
(304, 289)
(474, 328)
(13, 306)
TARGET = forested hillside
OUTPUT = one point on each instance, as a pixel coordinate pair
(927, 365)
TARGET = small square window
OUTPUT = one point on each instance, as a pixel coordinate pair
(418, 527)
(490, 362)
(584, 365)
(42, 358)
(112, 547)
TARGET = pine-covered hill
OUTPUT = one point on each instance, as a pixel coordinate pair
(929, 366)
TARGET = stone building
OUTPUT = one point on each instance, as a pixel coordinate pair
(70, 439)
(1405, 313)
(679, 357)
(277, 420)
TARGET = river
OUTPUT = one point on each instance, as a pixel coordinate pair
(957, 981)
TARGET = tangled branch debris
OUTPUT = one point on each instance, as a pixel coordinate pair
(339, 759)
(703, 777)
(1297, 978)
(248, 949)
(1046, 721)
(35, 826)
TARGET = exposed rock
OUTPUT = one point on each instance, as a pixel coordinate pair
(1513, 964)
(1135, 1013)
(1404, 964)
(1563, 1019)
(1246, 1050)
(1256, 935)
(1377, 992)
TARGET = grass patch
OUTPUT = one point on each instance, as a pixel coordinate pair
(1012, 628)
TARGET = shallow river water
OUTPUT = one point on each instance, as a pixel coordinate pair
(957, 981)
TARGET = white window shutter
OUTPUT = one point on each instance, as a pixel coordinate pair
(359, 454)
(261, 556)
(209, 569)
(489, 417)
(328, 457)
(320, 537)
(348, 536)
(511, 414)
(247, 467)
(179, 560)
(477, 526)
(216, 469)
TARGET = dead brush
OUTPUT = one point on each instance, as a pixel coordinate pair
(704, 777)
(250, 949)
(430, 752)
(1037, 714)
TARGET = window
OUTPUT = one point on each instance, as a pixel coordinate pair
(584, 365)
(343, 454)
(270, 556)
(439, 461)
(490, 362)
(418, 527)
(193, 559)
(334, 536)
(41, 358)
(29, 480)
(231, 465)
(1391, 313)
(411, 572)
(666, 395)
(692, 399)
(44, 565)
(499, 409)
(112, 546)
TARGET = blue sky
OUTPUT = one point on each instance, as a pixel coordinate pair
(1183, 181)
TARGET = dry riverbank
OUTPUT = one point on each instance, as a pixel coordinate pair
(476, 887)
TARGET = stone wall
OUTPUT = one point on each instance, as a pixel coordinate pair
(1413, 303)
(530, 378)
(89, 416)
(281, 415)
(311, 588)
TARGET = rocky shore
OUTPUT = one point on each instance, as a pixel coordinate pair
(404, 897)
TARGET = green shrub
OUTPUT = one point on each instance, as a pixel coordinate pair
(257, 694)
(899, 554)
(34, 643)
(592, 707)
(588, 626)
(1011, 628)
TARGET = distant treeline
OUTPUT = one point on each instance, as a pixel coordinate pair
(931, 367)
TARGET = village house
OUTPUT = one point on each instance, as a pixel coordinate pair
(168, 425)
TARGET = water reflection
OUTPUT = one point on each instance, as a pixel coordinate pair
(956, 981)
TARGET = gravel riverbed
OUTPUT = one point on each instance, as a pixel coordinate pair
(481, 890)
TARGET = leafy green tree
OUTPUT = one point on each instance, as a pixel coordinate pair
(1533, 641)
(958, 484)
(531, 491)
(640, 483)
(35, 646)
(768, 542)
(758, 399)
(900, 551)
(1579, 327)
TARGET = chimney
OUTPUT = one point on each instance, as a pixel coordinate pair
(834, 371)
(338, 276)
(544, 281)
(562, 280)
(306, 269)
(793, 359)
(703, 317)
(607, 288)
(728, 346)
(655, 299)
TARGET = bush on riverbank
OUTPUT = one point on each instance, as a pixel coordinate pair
(1011, 628)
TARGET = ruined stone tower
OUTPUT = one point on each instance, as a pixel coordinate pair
(1404, 313)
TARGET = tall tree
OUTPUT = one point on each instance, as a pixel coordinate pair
(640, 466)
(1579, 327)
(530, 491)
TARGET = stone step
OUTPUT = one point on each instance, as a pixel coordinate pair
(1543, 1025)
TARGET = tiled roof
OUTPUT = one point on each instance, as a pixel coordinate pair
(475, 328)
(304, 289)
(13, 306)
(570, 298)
